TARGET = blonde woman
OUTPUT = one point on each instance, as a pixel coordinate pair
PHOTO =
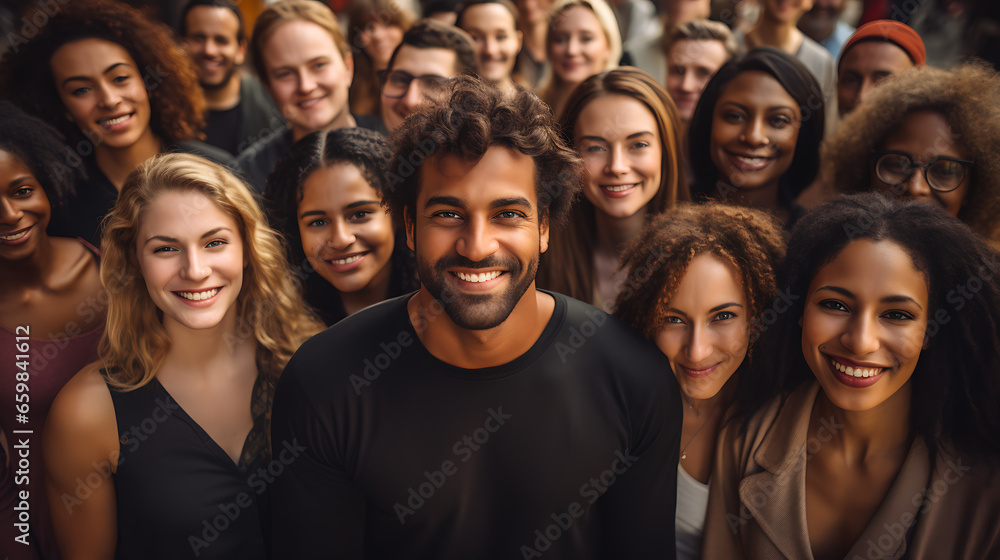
(583, 40)
(168, 430)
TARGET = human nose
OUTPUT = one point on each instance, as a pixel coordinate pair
(491, 49)
(413, 97)
(9, 213)
(307, 81)
(916, 184)
(477, 240)
(617, 161)
(196, 267)
(698, 347)
(755, 133)
(211, 48)
(861, 336)
(109, 96)
(341, 237)
(689, 84)
(573, 47)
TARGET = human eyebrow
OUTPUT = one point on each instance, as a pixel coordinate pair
(637, 134)
(312, 213)
(84, 78)
(718, 308)
(513, 201)
(445, 201)
(19, 180)
(593, 138)
(361, 203)
(677, 311)
(842, 291)
(901, 299)
(166, 239)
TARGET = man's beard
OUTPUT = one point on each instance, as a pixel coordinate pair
(230, 72)
(477, 311)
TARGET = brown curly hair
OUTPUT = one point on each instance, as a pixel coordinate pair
(176, 100)
(750, 241)
(969, 99)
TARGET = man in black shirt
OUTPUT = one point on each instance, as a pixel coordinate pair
(238, 107)
(480, 417)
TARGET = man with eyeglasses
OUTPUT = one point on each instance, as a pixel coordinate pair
(420, 69)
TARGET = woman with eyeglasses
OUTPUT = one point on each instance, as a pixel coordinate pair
(930, 135)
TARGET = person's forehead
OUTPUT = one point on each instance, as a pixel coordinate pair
(430, 61)
(695, 50)
(214, 16)
(500, 174)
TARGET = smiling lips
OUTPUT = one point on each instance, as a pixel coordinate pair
(618, 191)
(698, 372)
(346, 263)
(16, 237)
(115, 123)
(744, 162)
(855, 375)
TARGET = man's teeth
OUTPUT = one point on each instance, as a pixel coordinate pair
(198, 296)
(618, 188)
(14, 236)
(856, 372)
(347, 260)
(116, 120)
(481, 277)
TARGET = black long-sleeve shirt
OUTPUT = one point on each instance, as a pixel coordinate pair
(567, 451)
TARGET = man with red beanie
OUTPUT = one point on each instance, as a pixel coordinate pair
(877, 50)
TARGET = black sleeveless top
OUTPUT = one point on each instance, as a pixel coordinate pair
(179, 495)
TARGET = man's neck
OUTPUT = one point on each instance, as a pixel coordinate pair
(477, 349)
(224, 97)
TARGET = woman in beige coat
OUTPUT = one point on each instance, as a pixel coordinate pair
(883, 442)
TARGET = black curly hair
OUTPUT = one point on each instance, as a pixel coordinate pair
(40, 147)
(956, 383)
(476, 117)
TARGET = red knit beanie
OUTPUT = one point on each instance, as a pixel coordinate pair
(900, 34)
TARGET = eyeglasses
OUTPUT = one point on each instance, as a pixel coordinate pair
(942, 173)
(395, 84)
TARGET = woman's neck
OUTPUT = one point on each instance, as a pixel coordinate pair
(117, 163)
(377, 290)
(202, 351)
(763, 198)
(867, 435)
(613, 234)
(772, 33)
(32, 272)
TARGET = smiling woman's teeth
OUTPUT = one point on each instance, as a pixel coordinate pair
(348, 260)
(114, 121)
(618, 188)
(198, 296)
(481, 277)
(856, 372)
(14, 236)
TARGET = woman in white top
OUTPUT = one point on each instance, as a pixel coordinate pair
(701, 284)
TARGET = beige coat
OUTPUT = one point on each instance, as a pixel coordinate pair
(757, 508)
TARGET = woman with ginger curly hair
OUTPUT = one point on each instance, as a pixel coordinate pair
(931, 135)
(699, 281)
(202, 317)
(119, 89)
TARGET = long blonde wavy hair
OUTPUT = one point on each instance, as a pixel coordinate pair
(269, 306)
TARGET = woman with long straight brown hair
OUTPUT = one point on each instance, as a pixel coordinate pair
(624, 126)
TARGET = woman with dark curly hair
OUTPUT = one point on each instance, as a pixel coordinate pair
(119, 89)
(323, 196)
(755, 134)
(51, 309)
(882, 438)
(699, 282)
(931, 135)
(624, 126)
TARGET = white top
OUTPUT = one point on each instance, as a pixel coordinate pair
(692, 503)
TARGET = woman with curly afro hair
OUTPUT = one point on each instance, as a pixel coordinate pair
(117, 86)
(700, 279)
(931, 135)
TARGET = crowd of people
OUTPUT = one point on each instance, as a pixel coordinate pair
(500, 279)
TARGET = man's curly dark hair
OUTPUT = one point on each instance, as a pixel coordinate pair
(176, 100)
(475, 117)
